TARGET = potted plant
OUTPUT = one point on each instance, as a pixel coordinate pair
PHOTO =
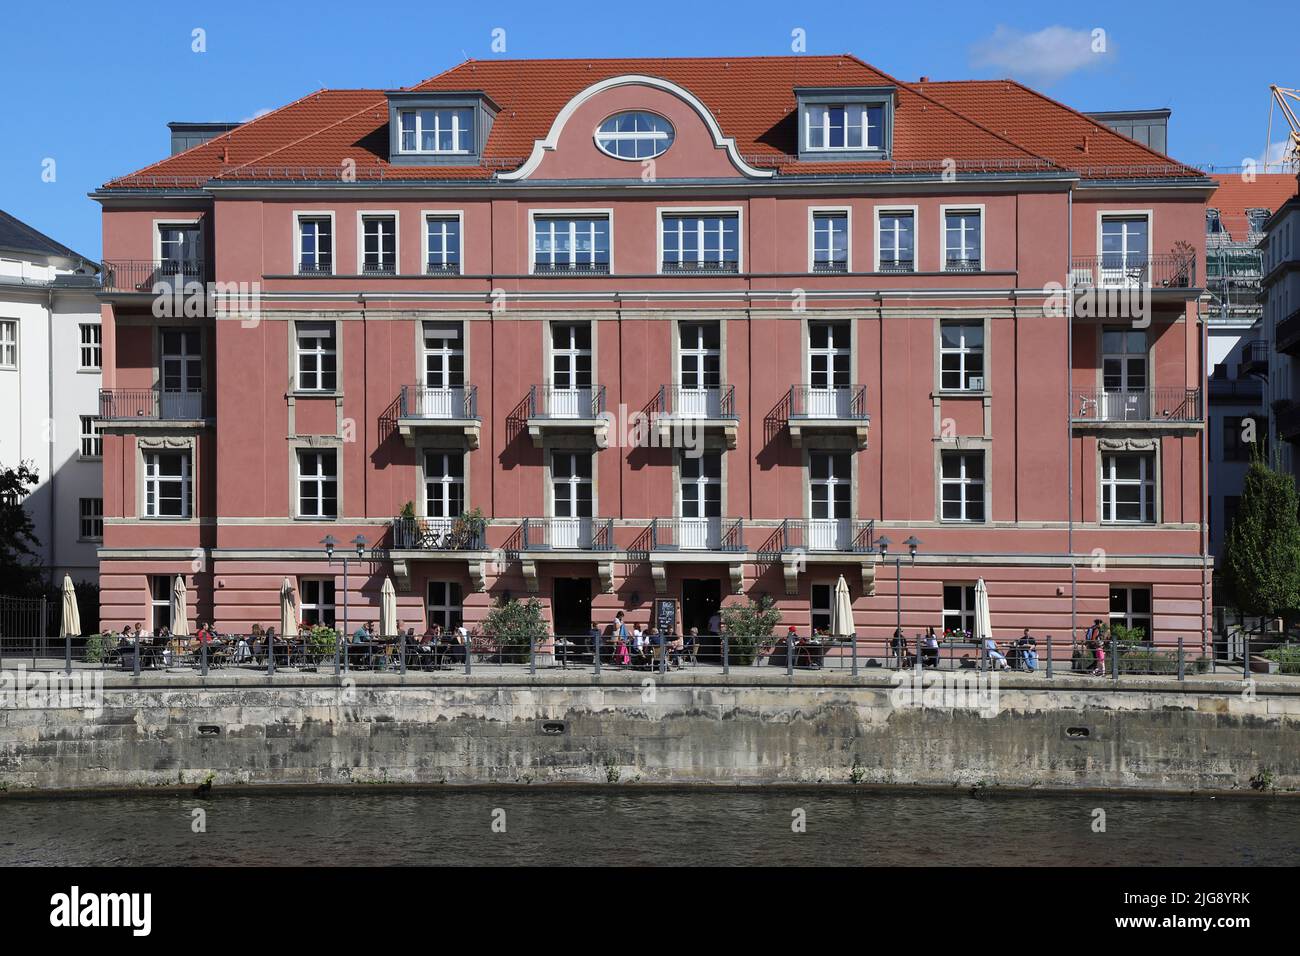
(514, 624)
(748, 629)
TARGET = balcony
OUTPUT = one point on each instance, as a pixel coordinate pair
(430, 410)
(1151, 407)
(135, 406)
(567, 534)
(1286, 335)
(151, 276)
(712, 408)
(816, 410)
(562, 409)
(455, 539)
(1254, 358)
(1287, 416)
(798, 542)
(1172, 271)
(697, 534)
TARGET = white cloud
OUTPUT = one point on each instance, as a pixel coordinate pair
(262, 112)
(1045, 56)
(1274, 160)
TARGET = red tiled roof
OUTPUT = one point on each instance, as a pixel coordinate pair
(1235, 195)
(998, 123)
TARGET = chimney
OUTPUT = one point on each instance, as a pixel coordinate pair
(924, 79)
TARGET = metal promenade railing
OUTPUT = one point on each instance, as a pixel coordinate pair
(1161, 404)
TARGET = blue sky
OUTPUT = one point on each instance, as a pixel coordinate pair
(93, 89)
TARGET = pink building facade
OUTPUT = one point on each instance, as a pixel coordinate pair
(607, 332)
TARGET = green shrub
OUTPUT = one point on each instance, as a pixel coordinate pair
(97, 646)
(1287, 657)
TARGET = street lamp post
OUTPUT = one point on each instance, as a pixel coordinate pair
(330, 543)
(912, 543)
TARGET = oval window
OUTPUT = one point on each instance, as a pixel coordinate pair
(634, 135)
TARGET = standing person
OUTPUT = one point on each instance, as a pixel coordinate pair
(931, 649)
(715, 623)
(898, 647)
(593, 640)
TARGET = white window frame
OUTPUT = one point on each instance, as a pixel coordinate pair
(965, 611)
(825, 108)
(606, 213)
(95, 332)
(459, 134)
(963, 481)
(701, 482)
(9, 344)
(573, 482)
(703, 211)
(152, 480)
(94, 435)
(362, 216)
(299, 352)
(445, 607)
(95, 518)
(1127, 617)
(199, 246)
(444, 215)
(635, 136)
(1148, 484)
(847, 213)
(298, 216)
(318, 478)
(443, 482)
(319, 605)
(963, 350)
(1148, 214)
(916, 235)
(944, 210)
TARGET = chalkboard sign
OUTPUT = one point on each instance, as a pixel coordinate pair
(665, 618)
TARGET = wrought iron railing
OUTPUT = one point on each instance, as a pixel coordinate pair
(701, 268)
(568, 534)
(442, 268)
(1164, 404)
(1286, 335)
(554, 401)
(838, 534)
(438, 534)
(418, 401)
(840, 401)
(897, 265)
(1116, 270)
(697, 534)
(144, 275)
(121, 404)
(822, 266)
(571, 268)
(711, 401)
(958, 264)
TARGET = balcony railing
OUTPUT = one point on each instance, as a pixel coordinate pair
(697, 534)
(437, 534)
(1167, 404)
(442, 268)
(897, 265)
(1115, 271)
(554, 401)
(830, 266)
(710, 401)
(847, 402)
(149, 404)
(568, 534)
(570, 268)
(701, 268)
(1254, 356)
(958, 264)
(1286, 335)
(379, 269)
(421, 402)
(821, 535)
(315, 269)
(148, 275)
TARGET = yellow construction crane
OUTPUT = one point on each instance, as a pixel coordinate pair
(1282, 98)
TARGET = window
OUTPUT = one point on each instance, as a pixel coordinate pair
(962, 485)
(442, 245)
(1123, 244)
(1128, 488)
(571, 355)
(1131, 607)
(847, 126)
(699, 359)
(1242, 434)
(92, 353)
(9, 343)
(701, 485)
(92, 519)
(160, 602)
(444, 355)
(830, 243)
(830, 504)
(444, 484)
(961, 356)
(820, 607)
(1256, 219)
(701, 243)
(1213, 222)
(571, 484)
(181, 366)
(634, 135)
(178, 247)
(378, 245)
(959, 608)
(444, 605)
(318, 495)
(896, 242)
(167, 482)
(437, 130)
(317, 357)
(315, 245)
(961, 240)
(571, 245)
(317, 604)
(92, 437)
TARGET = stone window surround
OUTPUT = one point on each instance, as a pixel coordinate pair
(295, 256)
(1148, 444)
(145, 444)
(847, 213)
(300, 443)
(291, 328)
(942, 445)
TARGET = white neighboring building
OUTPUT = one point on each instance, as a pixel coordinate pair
(50, 376)
(1281, 296)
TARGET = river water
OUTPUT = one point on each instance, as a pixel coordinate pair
(635, 825)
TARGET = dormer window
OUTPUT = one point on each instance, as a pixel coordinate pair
(437, 131)
(847, 123)
(634, 135)
(845, 126)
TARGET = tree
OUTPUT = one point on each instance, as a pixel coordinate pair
(748, 626)
(19, 567)
(1261, 561)
(513, 624)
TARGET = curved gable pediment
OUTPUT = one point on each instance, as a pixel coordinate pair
(699, 149)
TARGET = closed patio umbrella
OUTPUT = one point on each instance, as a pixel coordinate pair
(288, 610)
(842, 611)
(983, 620)
(71, 626)
(388, 608)
(180, 624)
